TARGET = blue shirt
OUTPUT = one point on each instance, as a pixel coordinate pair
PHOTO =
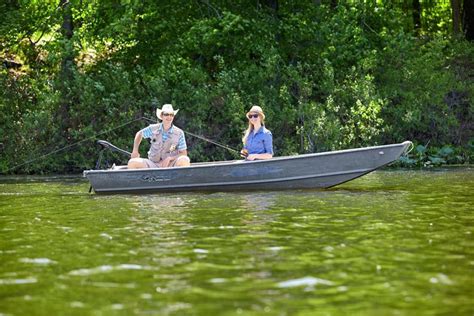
(260, 142)
(147, 132)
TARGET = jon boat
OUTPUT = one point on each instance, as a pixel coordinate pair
(318, 170)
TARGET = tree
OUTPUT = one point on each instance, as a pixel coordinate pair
(456, 13)
(416, 13)
(66, 74)
(329, 74)
(468, 19)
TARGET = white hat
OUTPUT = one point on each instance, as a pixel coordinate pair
(167, 108)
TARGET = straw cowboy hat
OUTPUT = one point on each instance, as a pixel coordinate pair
(167, 108)
(256, 109)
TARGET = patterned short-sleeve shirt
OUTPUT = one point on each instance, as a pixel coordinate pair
(147, 132)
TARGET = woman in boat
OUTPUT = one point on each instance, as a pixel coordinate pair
(168, 145)
(258, 141)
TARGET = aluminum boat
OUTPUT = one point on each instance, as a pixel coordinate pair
(317, 170)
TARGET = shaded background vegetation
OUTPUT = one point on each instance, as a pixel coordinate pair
(329, 75)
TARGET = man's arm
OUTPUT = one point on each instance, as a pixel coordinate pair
(182, 147)
(136, 144)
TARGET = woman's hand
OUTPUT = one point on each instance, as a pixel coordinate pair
(135, 154)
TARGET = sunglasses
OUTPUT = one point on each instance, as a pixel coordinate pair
(252, 116)
(167, 114)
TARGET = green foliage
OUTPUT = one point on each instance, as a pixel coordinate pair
(428, 156)
(328, 77)
(413, 105)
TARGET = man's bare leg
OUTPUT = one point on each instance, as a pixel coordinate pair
(136, 163)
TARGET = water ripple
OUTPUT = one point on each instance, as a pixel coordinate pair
(107, 269)
(306, 281)
(41, 261)
(18, 281)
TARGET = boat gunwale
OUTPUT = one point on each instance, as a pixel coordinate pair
(238, 162)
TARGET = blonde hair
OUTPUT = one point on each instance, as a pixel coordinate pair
(250, 127)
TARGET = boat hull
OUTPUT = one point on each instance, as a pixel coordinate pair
(320, 170)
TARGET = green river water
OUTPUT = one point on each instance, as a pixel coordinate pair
(389, 243)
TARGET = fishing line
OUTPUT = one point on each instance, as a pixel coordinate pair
(70, 146)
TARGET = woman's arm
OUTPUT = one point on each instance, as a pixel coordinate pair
(259, 156)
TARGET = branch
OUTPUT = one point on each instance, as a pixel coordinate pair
(206, 2)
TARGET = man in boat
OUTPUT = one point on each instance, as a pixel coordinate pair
(168, 145)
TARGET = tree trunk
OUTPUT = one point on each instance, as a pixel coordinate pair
(456, 10)
(416, 16)
(468, 19)
(66, 74)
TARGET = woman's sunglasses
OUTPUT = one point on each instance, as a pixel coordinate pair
(167, 114)
(252, 116)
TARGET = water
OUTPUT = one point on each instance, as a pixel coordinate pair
(390, 243)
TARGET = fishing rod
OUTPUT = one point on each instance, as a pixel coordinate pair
(200, 137)
(108, 145)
